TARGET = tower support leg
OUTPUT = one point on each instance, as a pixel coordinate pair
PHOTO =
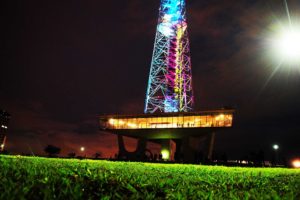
(138, 154)
(178, 150)
(211, 143)
(122, 150)
(187, 151)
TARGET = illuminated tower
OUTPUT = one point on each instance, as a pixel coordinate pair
(170, 79)
(169, 117)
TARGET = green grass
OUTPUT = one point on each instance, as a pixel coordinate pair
(44, 178)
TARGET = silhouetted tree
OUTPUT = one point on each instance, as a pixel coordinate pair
(5, 152)
(98, 155)
(72, 155)
(52, 150)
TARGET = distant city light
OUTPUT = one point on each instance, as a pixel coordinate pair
(296, 163)
(82, 148)
(275, 146)
(3, 126)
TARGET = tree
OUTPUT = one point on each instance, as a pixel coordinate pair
(72, 155)
(98, 155)
(52, 150)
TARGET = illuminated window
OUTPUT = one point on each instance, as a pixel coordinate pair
(212, 120)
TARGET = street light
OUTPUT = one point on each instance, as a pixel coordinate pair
(275, 147)
(284, 42)
(296, 163)
(165, 154)
(82, 149)
(287, 45)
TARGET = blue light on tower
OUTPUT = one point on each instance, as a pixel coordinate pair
(170, 79)
(172, 16)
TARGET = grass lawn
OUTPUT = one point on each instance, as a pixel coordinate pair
(45, 178)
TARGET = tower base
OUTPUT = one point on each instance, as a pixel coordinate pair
(184, 152)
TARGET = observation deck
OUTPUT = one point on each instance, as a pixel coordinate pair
(167, 125)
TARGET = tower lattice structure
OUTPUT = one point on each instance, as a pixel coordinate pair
(170, 79)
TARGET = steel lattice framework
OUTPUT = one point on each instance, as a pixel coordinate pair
(170, 79)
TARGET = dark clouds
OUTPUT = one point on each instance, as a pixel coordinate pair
(64, 63)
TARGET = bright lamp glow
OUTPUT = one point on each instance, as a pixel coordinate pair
(287, 45)
(286, 40)
(275, 146)
(296, 163)
(165, 154)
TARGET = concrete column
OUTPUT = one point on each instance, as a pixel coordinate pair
(211, 141)
(122, 150)
(140, 149)
(178, 151)
(138, 154)
(187, 151)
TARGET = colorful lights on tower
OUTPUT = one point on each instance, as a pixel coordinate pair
(170, 79)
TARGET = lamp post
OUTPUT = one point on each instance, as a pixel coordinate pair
(276, 149)
(82, 149)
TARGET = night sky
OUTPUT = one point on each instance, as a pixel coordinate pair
(65, 62)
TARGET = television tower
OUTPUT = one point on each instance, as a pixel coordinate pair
(170, 79)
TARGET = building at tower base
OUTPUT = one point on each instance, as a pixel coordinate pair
(180, 128)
